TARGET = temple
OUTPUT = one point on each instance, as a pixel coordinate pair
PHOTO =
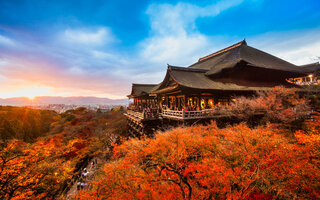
(191, 93)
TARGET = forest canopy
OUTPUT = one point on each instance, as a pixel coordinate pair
(275, 157)
(44, 164)
(205, 162)
(24, 123)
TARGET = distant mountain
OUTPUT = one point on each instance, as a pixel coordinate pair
(45, 100)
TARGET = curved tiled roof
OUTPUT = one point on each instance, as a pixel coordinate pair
(141, 89)
(223, 50)
(229, 56)
(198, 80)
(229, 70)
(311, 68)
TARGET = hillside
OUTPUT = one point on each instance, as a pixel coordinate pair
(275, 157)
(44, 167)
(205, 162)
(24, 123)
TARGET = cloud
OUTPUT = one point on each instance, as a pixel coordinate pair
(174, 37)
(100, 36)
(88, 60)
(19, 72)
(6, 41)
(67, 85)
(305, 54)
(174, 50)
(81, 60)
(298, 47)
(167, 19)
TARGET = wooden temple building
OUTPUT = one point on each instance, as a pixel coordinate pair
(191, 93)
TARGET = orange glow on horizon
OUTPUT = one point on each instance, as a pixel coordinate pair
(32, 92)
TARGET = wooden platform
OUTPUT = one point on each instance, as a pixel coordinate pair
(192, 115)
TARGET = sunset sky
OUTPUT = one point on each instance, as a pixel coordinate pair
(98, 48)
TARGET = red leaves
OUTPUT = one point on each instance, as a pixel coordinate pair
(78, 145)
(281, 106)
(210, 163)
(257, 194)
(42, 169)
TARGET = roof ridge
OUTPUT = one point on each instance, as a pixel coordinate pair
(307, 65)
(266, 53)
(243, 42)
(186, 69)
(147, 84)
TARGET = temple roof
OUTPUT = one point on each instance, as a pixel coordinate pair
(238, 67)
(141, 89)
(243, 42)
(311, 68)
(197, 79)
(230, 56)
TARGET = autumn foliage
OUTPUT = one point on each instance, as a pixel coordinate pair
(43, 169)
(199, 162)
(238, 162)
(281, 106)
(24, 123)
(206, 162)
(37, 170)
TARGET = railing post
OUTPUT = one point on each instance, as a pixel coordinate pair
(144, 114)
(183, 113)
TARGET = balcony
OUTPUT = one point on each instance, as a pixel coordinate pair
(143, 115)
(174, 114)
(186, 115)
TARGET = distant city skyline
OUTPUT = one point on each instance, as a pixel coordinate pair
(98, 48)
(74, 100)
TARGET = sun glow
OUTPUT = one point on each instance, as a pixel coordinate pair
(32, 92)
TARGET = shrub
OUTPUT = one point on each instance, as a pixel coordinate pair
(281, 106)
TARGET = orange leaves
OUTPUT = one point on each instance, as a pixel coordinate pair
(205, 162)
(313, 124)
(33, 170)
(43, 168)
(310, 139)
(281, 106)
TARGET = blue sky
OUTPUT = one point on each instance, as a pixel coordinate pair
(98, 48)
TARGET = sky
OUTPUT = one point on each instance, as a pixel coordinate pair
(100, 47)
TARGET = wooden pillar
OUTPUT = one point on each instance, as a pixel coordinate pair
(182, 101)
(176, 102)
(186, 98)
(167, 101)
(160, 101)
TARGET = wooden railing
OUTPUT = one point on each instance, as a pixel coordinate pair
(143, 115)
(135, 114)
(175, 114)
(183, 115)
(207, 113)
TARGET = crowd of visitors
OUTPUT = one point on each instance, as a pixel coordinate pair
(152, 111)
(84, 176)
(187, 108)
(148, 111)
